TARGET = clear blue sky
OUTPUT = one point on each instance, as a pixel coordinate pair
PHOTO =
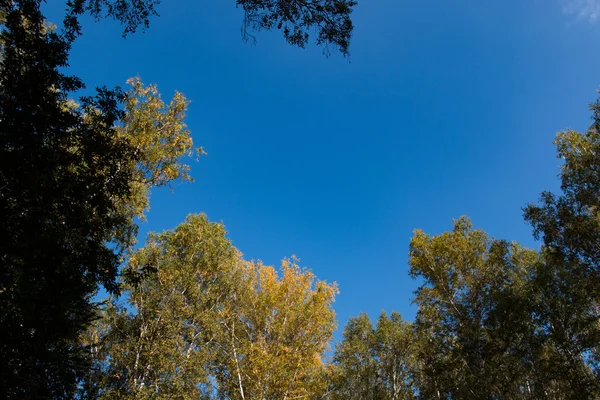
(445, 108)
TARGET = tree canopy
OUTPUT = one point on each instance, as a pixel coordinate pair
(496, 320)
(76, 176)
(329, 20)
(189, 317)
(201, 321)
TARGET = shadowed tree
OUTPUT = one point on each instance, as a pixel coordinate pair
(73, 178)
(329, 20)
(474, 318)
(375, 363)
(568, 282)
(59, 175)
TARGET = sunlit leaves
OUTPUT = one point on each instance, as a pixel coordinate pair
(473, 320)
(205, 322)
(276, 330)
(161, 143)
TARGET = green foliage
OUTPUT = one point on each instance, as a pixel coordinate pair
(160, 140)
(202, 322)
(355, 361)
(567, 285)
(60, 173)
(495, 320)
(176, 286)
(473, 319)
(190, 318)
(375, 364)
(397, 362)
(74, 177)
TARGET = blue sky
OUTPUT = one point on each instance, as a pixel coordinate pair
(445, 108)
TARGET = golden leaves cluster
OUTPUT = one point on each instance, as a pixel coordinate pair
(202, 321)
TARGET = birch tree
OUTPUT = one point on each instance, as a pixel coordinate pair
(197, 320)
(375, 363)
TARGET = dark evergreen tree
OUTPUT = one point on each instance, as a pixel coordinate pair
(61, 173)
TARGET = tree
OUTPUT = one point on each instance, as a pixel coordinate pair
(329, 19)
(568, 282)
(201, 321)
(74, 177)
(474, 320)
(160, 141)
(157, 344)
(59, 175)
(376, 364)
(396, 356)
(275, 331)
(495, 320)
(356, 372)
